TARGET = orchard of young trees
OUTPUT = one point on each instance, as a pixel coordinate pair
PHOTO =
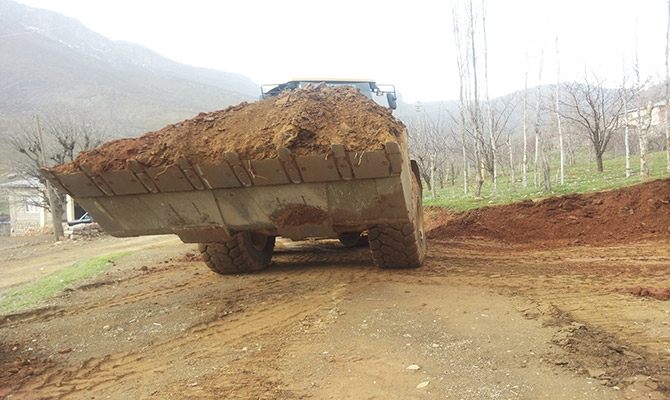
(514, 141)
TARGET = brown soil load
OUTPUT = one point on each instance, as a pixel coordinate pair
(624, 215)
(307, 121)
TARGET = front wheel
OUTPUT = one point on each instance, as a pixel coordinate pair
(401, 245)
(244, 252)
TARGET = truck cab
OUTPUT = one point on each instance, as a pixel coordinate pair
(367, 87)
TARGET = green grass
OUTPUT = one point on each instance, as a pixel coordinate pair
(50, 285)
(580, 178)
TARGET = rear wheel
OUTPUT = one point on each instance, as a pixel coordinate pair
(401, 245)
(244, 252)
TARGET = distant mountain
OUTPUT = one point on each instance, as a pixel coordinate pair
(50, 64)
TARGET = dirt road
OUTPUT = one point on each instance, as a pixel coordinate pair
(484, 318)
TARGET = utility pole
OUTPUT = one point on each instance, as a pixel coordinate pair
(55, 220)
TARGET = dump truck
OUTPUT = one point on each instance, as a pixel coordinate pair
(318, 159)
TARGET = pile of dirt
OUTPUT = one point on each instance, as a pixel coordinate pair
(652, 292)
(307, 121)
(623, 215)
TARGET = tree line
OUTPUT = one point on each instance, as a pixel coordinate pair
(512, 140)
(516, 136)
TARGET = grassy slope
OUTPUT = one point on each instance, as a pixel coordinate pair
(27, 295)
(581, 178)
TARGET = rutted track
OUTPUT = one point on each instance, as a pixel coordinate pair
(479, 320)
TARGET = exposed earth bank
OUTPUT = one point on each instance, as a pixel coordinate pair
(563, 298)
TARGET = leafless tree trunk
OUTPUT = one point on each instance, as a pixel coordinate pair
(461, 58)
(558, 112)
(500, 117)
(667, 91)
(492, 143)
(547, 171)
(525, 128)
(433, 171)
(538, 133)
(643, 122)
(464, 144)
(475, 114)
(643, 125)
(626, 132)
(512, 176)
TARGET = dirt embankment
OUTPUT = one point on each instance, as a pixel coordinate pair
(624, 215)
(306, 121)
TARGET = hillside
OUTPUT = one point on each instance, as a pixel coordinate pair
(54, 64)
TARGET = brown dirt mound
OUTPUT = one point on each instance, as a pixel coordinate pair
(307, 121)
(623, 215)
(654, 293)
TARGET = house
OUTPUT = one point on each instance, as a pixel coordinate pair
(635, 116)
(24, 199)
(26, 213)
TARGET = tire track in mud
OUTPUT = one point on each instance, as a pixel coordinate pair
(614, 350)
(226, 330)
(610, 336)
(285, 299)
(273, 330)
(572, 290)
(234, 336)
(166, 287)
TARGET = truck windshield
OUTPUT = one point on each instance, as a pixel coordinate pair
(364, 87)
(371, 90)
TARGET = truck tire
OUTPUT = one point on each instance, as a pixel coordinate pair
(401, 245)
(245, 252)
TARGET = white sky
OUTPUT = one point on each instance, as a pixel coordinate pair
(410, 45)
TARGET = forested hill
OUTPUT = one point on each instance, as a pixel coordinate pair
(52, 64)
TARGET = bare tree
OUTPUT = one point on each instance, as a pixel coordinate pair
(475, 118)
(499, 115)
(558, 112)
(59, 141)
(643, 124)
(510, 154)
(525, 128)
(596, 110)
(667, 91)
(626, 124)
(461, 60)
(489, 109)
(428, 146)
(643, 120)
(538, 132)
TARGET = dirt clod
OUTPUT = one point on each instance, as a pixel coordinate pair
(299, 214)
(651, 292)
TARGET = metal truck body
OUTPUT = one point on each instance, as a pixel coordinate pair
(236, 208)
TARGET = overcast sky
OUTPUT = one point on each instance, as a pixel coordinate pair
(410, 44)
